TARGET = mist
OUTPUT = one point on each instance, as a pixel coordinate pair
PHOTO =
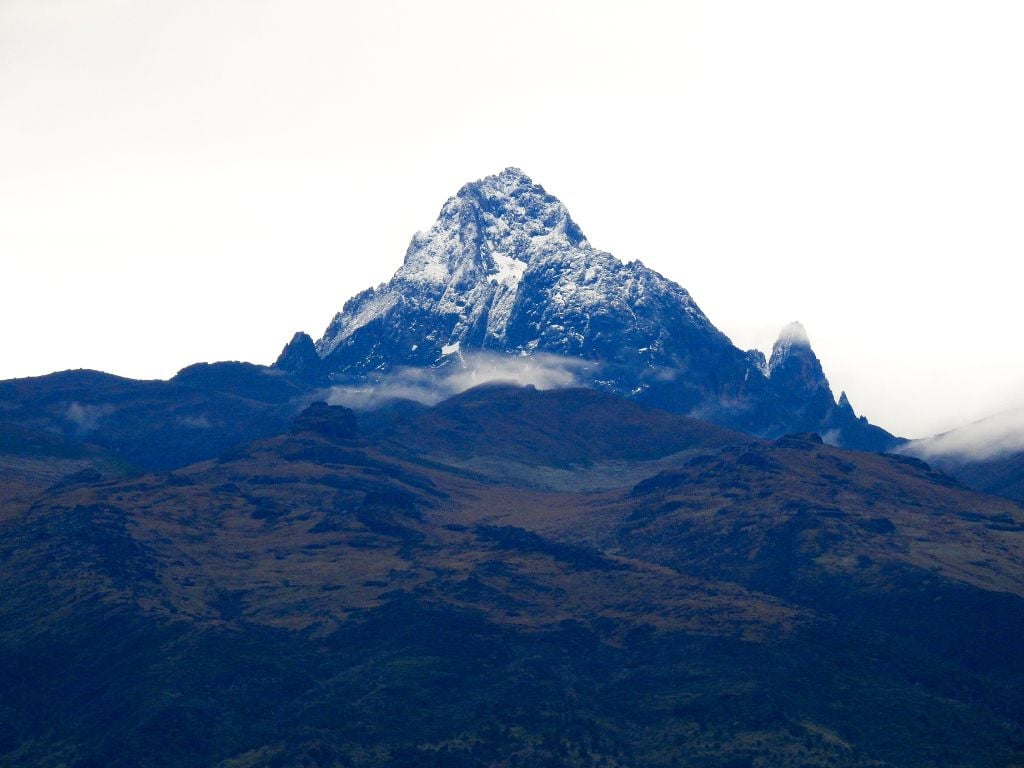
(432, 385)
(86, 418)
(986, 439)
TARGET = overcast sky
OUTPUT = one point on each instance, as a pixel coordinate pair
(184, 181)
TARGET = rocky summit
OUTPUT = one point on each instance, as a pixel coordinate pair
(505, 270)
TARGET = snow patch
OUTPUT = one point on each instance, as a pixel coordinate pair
(377, 304)
(510, 270)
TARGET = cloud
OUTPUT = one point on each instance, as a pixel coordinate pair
(86, 418)
(986, 439)
(432, 385)
(662, 373)
(832, 437)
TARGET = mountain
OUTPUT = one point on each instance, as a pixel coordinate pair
(567, 439)
(506, 271)
(432, 592)
(151, 425)
(798, 383)
(230, 569)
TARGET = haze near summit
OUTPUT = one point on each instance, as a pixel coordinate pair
(194, 181)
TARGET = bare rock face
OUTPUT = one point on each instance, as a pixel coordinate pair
(333, 422)
(299, 357)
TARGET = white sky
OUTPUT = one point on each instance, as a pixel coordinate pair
(195, 180)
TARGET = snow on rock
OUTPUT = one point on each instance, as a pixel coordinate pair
(470, 263)
(509, 270)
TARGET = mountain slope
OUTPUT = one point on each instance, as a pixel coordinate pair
(154, 425)
(564, 427)
(506, 270)
(325, 597)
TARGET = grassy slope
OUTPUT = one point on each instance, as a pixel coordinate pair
(324, 601)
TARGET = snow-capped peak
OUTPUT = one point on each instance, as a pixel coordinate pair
(505, 268)
(471, 262)
(792, 337)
